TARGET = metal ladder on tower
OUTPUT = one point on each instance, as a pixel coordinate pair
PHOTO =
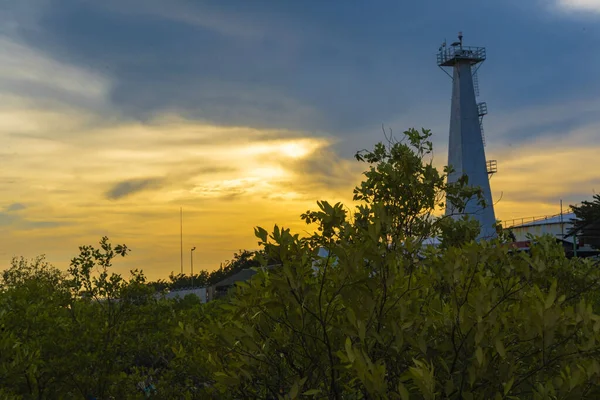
(482, 135)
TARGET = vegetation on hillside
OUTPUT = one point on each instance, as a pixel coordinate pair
(379, 316)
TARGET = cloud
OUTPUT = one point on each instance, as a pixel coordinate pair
(580, 5)
(534, 176)
(198, 15)
(127, 188)
(7, 219)
(277, 66)
(10, 214)
(31, 225)
(244, 115)
(268, 67)
(16, 207)
(227, 179)
(18, 222)
(325, 169)
(27, 73)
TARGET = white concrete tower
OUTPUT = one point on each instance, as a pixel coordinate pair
(466, 152)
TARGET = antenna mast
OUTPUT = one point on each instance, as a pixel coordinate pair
(181, 235)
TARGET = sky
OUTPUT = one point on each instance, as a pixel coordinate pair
(115, 114)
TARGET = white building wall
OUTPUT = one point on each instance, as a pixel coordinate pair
(557, 230)
(200, 292)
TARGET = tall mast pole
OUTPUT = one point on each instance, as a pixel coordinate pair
(181, 235)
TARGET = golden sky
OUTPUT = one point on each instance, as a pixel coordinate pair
(70, 176)
(75, 167)
(68, 179)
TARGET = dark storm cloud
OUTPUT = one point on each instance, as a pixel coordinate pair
(129, 187)
(341, 67)
(309, 69)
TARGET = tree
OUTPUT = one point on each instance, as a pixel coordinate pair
(380, 316)
(117, 323)
(244, 259)
(33, 301)
(586, 224)
(359, 309)
(87, 333)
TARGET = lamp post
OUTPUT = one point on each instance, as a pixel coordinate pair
(192, 263)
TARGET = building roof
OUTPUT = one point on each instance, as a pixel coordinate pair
(556, 219)
(243, 275)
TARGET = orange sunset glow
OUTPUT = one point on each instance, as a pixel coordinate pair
(97, 142)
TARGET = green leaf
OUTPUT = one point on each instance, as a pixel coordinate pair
(311, 392)
(403, 391)
(479, 355)
(294, 391)
(349, 350)
(261, 233)
(500, 347)
(508, 385)
(551, 296)
(361, 330)
(422, 344)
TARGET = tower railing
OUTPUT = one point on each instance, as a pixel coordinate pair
(449, 56)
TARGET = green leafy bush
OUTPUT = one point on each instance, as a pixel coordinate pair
(360, 309)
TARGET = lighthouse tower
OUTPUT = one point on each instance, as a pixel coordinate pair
(466, 154)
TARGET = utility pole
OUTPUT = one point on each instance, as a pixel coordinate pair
(192, 264)
(181, 235)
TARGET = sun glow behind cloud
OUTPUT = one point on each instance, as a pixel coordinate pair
(129, 180)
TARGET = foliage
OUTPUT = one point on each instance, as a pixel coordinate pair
(475, 322)
(33, 301)
(587, 222)
(359, 309)
(87, 334)
(243, 260)
(379, 316)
